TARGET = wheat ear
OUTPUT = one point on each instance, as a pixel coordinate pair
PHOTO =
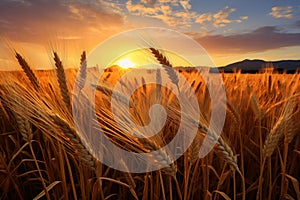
(28, 71)
(294, 128)
(70, 132)
(285, 125)
(61, 76)
(108, 91)
(256, 107)
(193, 150)
(82, 71)
(234, 113)
(226, 152)
(166, 65)
(24, 126)
(223, 149)
(160, 155)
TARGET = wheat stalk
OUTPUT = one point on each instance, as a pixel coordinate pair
(28, 71)
(226, 152)
(166, 65)
(285, 125)
(61, 76)
(293, 126)
(70, 132)
(273, 137)
(108, 91)
(82, 71)
(160, 57)
(256, 108)
(29, 106)
(161, 157)
(234, 113)
(24, 127)
(223, 148)
(193, 150)
(158, 86)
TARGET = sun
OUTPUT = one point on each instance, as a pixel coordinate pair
(126, 63)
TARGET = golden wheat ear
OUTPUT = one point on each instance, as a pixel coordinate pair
(82, 71)
(286, 126)
(70, 131)
(28, 71)
(166, 65)
(61, 76)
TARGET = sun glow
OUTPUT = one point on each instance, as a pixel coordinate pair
(126, 63)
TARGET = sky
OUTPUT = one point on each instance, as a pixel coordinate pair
(229, 30)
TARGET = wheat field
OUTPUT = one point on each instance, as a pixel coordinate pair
(43, 157)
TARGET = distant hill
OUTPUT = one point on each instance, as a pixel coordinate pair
(253, 66)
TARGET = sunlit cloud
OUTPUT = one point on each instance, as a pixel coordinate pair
(220, 18)
(180, 14)
(172, 13)
(282, 12)
(149, 2)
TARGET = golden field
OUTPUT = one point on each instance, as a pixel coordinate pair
(42, 156)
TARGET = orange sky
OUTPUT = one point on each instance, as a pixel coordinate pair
(228, 31)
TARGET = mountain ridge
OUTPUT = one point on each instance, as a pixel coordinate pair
(256, 65)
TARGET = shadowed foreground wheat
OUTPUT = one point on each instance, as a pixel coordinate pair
(42, 155)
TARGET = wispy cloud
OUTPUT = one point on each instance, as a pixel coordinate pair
(149, 2)
(259, 40)
(282, 12)
(220, 18)
(177, 13)
(173, 13)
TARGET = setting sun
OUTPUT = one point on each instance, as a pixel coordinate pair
(126, 63)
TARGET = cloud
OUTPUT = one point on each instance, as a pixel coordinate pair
(172, 12)
(259, 40)
(149, 2)
(220, 18)
(282, 12)
(186, 5)
(35, 21)
(177, 13)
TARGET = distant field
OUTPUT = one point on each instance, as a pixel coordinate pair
(256, 156)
